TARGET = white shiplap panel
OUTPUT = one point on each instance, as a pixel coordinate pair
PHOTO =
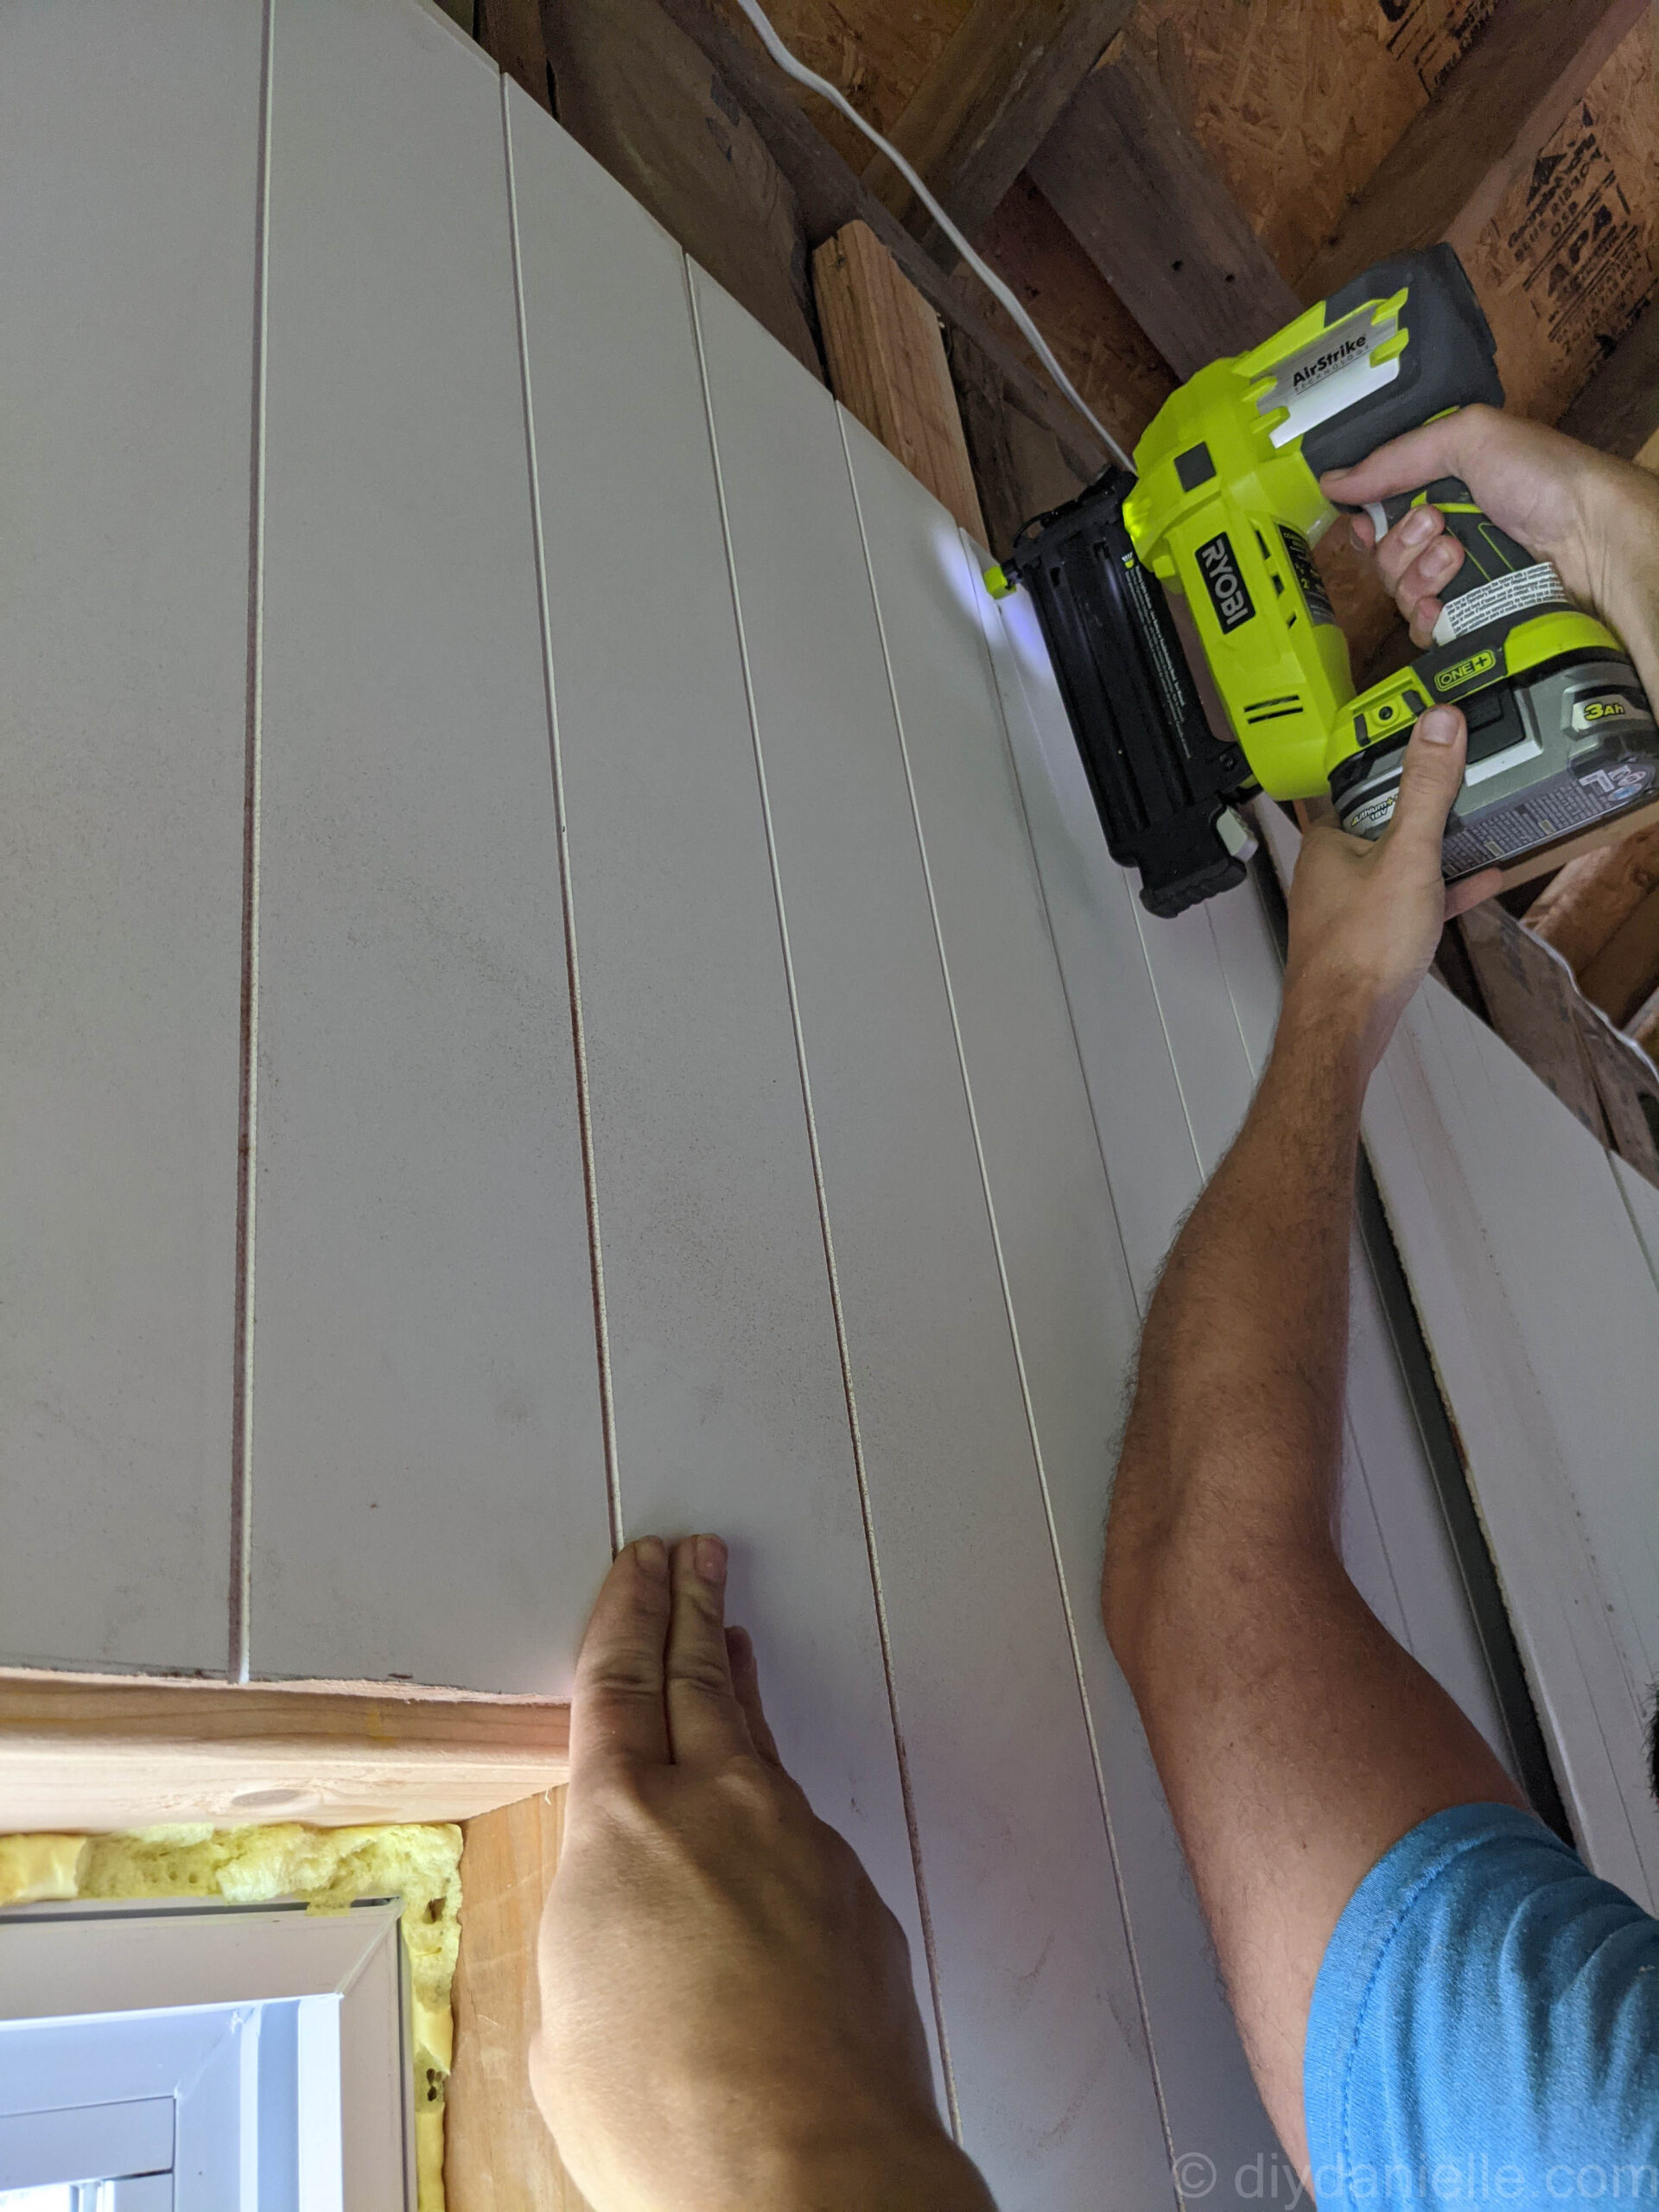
(730, 1408)
(1580, 1285)
(1037, 1991)
(1643, 1201)
(1072, 1318)
(1077, 1362)
(429, 1493)
(1200, 1019)
(1424, 1122)
(1430, 1613)
(1146, 1137)
(129, 221)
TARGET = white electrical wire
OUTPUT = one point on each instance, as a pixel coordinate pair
(987, 276)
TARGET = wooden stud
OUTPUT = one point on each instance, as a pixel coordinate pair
(1617, 411)
(1154, 216)
(1450, 167)
(1627, 1088)
(1000, 87)
(831, 195)
(1593, 898)
(990, 447)
(1621, 975)
(510, 32)
(97, 1754)
(887, 366)
(1643, 1028)
(498, 2156)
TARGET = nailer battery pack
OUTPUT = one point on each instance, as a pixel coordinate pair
(1220, 522)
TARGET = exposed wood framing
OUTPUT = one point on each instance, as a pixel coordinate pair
(639, 96)
(510, 32)
(1617, 411)
(985, 423)
(498, 2155)
(887, 365)
(988, 104)
(100, 1754)
(831, 196)
(1102, 348)
(1450, 167)
(1621, 975)
(1592, 898)
(1147, 204)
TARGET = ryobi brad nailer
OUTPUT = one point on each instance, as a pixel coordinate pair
(1223, 515)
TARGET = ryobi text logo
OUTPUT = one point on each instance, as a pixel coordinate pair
(1219, 565)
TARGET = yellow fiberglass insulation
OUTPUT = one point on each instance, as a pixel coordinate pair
(329, 1868)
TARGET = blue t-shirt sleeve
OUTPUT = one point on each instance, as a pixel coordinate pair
(1485, 2027)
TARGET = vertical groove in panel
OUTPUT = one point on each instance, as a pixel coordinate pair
(860, 1468)
(247, 1180)
(1130, 1937)
(566, 895)
(1007, 1297)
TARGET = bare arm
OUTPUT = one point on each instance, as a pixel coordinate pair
(1296, 1741)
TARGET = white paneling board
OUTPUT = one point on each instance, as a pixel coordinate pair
(1643, 1201)
(731, 1412)
(1146, 1137)
(1579, 1284)
(1249, 961)
(128, 198)
(1200, 1019)
(1036, 1989)
(429, 1491)
(1426, 1605)
(1422, 1136)
(1078, 1363)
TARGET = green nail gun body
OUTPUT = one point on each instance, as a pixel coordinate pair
(1222, 517)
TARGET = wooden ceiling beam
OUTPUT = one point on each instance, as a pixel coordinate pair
(1153, 212)
(832, 195)
(1450, 169)
(1617, 411)
(1000, 87)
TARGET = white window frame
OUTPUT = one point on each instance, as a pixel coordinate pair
(188, 1980)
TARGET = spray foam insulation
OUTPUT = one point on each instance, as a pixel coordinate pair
(329, 1868)
(1566, 264)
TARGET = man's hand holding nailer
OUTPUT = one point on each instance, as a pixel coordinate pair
(1595, 517)
(1365, 919)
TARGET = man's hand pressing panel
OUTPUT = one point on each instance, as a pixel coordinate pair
(728, 2019)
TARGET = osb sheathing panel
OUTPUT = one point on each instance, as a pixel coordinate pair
(875, 53)
(1563, 269)
(1297, 101)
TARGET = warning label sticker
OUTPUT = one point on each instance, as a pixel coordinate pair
(1299, 554)
(1522, 591)
(1372, 816)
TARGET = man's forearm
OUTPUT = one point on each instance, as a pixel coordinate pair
(1238, 1409)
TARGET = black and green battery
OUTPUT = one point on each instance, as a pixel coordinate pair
(1221, 517)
